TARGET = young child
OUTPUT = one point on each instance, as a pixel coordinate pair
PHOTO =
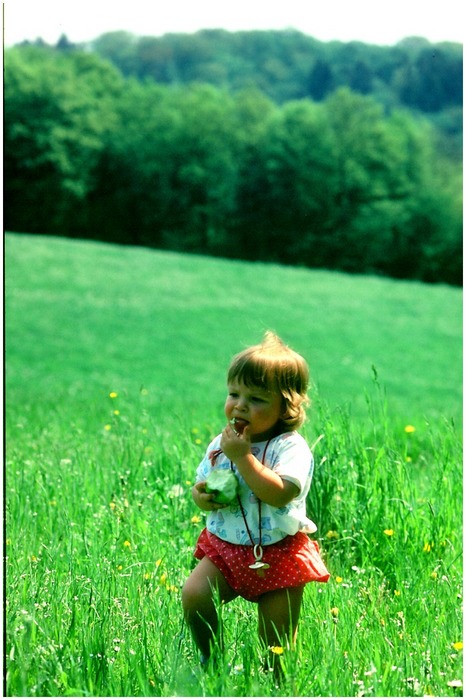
(256, 547)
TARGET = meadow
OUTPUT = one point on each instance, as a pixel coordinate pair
(115, 364)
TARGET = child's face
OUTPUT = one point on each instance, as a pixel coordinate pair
(254, 407)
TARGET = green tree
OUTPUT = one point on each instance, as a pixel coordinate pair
(57, 109)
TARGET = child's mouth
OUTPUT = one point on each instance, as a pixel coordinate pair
(239, 424)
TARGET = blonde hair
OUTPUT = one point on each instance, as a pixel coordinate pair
(274, 366)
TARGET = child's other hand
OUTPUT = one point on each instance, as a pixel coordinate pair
(233, 444)
(204, 500)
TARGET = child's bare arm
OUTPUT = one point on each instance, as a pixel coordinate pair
(263, 482)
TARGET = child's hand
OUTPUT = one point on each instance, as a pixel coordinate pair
(235, 445)
(204, 500)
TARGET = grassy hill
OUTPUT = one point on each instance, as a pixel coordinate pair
(116, 363)
(84, 318)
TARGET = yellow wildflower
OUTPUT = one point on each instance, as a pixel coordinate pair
(338, 579)
(332, 535)
(428, 547)
(107, 427)
(457, 646)
(389, 533)
(334, 612)
(410, 429)
(113, 394)
(276, 650)
(196, 519)
(127, 544)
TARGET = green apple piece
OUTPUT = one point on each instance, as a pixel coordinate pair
(223, 483)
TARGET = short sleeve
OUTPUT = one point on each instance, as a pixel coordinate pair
(294, 461)
(205, 466)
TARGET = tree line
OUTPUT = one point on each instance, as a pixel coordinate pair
(341, 182)
(288, 65)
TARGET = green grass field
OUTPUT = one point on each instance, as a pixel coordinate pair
(115, 369)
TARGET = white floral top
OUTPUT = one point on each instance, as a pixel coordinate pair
(289, 456)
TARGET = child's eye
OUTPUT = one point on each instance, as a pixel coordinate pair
(257, 399)
(233, 394)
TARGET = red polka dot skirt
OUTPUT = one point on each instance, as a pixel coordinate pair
(293, 561)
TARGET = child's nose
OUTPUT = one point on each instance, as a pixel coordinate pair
(241, 404)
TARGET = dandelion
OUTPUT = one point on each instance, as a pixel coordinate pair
(107, 427)
(428, 547)
(119, 567)
(33, 558)
(147, 576)
(195, 431)
(434, 575)
(198, 441)
(276, 650)
(113, 394)
(175, 491)
(457, 646)
(338, 579)
(389, 533)
(53, 502)
(116, 412)
(163, 578)
(158, 562)
(334, 612)
(7, 541)
(410, 429)
(127, 544)
(196, 519)
(396, 593)
(409, 459)
(112, 505)
(332, 535)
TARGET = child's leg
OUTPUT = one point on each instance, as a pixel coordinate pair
(278, 617)
(203, 587)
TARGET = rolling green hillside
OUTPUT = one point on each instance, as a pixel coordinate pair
(116, 362)
(85, 318)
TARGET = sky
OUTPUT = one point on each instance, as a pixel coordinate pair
(383, 22)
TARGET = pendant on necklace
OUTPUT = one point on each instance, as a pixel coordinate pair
(259, 565)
